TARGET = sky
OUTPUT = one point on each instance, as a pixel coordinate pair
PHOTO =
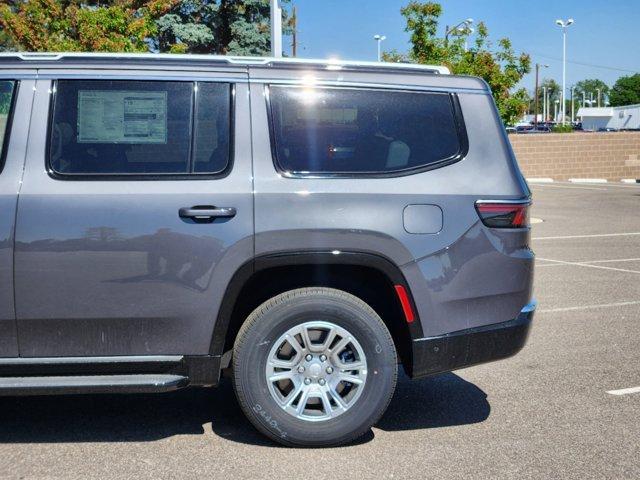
(605, 33)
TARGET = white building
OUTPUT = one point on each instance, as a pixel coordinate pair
(595, 118)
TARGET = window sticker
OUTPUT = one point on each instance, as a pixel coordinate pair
(117, 116)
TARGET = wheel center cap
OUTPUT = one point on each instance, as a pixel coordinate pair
(314, 370)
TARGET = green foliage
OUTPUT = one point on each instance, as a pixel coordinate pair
(234, 27)
(72, 25)
(499, 66)
(228, 27)
(6, 91)
(562, 129)
(553, 90)
(589, 88)
(626, 91)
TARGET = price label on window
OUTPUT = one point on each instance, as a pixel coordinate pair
(117, 116)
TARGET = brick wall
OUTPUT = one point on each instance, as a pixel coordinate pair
(610, 155)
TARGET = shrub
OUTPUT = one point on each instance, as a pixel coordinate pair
(562, 129)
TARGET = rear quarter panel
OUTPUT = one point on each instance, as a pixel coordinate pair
(463, 276)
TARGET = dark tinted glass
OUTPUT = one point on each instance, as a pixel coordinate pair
(139, 127)
(211, 146)
(333, 130)
(7, 90)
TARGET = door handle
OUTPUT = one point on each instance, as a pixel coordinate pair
(206, 213)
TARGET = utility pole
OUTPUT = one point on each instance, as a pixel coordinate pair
(276, 29)
(294, 24)
(544, 104)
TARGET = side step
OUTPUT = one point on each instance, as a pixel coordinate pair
(73, 384)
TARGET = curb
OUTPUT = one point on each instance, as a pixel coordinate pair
(588, 180)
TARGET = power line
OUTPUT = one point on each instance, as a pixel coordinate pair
(585, 64)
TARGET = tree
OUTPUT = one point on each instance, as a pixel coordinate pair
(500, 67)
(77, 25)
(589, 88)
(228, 27)
(626, 91)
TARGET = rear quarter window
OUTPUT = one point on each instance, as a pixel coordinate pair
(363, 131)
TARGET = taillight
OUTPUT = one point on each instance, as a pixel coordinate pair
(496, 214)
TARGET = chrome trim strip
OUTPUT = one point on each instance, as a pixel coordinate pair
(92, 360)
(184, 76)
(347, 83)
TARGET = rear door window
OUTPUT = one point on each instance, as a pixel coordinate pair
(140, 128)
(7, 94)
(360, 131)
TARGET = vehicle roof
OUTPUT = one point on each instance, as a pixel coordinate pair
(149, 61)
(40, 59)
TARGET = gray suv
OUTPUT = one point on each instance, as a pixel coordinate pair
(303, 225)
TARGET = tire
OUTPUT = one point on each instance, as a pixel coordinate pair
(329, 410)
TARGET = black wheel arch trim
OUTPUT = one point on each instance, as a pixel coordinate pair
(284, 259)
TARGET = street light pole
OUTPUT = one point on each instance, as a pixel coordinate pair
(564, 26)
(467, 23)
(572, 104)
(535, 94)
(544, 104)
(276, 29)
(379, 39)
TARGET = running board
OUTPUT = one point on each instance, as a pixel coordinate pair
(105, 374)
(137, 383)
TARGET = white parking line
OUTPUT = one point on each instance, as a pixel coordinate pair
(546, 185)
(603, 186)
(598, 235)
(579, 264)
(625, 391)
(611, 260)
(588, 307)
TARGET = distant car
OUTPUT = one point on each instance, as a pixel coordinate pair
(577, 126)
(607, 129)
(511, 129)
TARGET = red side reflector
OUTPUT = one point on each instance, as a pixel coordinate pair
(503, 215)
(406, 304)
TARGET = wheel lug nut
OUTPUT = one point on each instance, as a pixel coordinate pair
(307, 381)
(309, 357)
(329, 370)
(323, 358)
(300, 369)
(321, 381)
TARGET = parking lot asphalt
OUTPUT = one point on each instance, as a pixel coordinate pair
(544, 413)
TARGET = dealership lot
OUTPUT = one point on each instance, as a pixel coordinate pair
(545, 413)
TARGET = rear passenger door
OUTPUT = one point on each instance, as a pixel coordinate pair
(16, 95)
(135, 210)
